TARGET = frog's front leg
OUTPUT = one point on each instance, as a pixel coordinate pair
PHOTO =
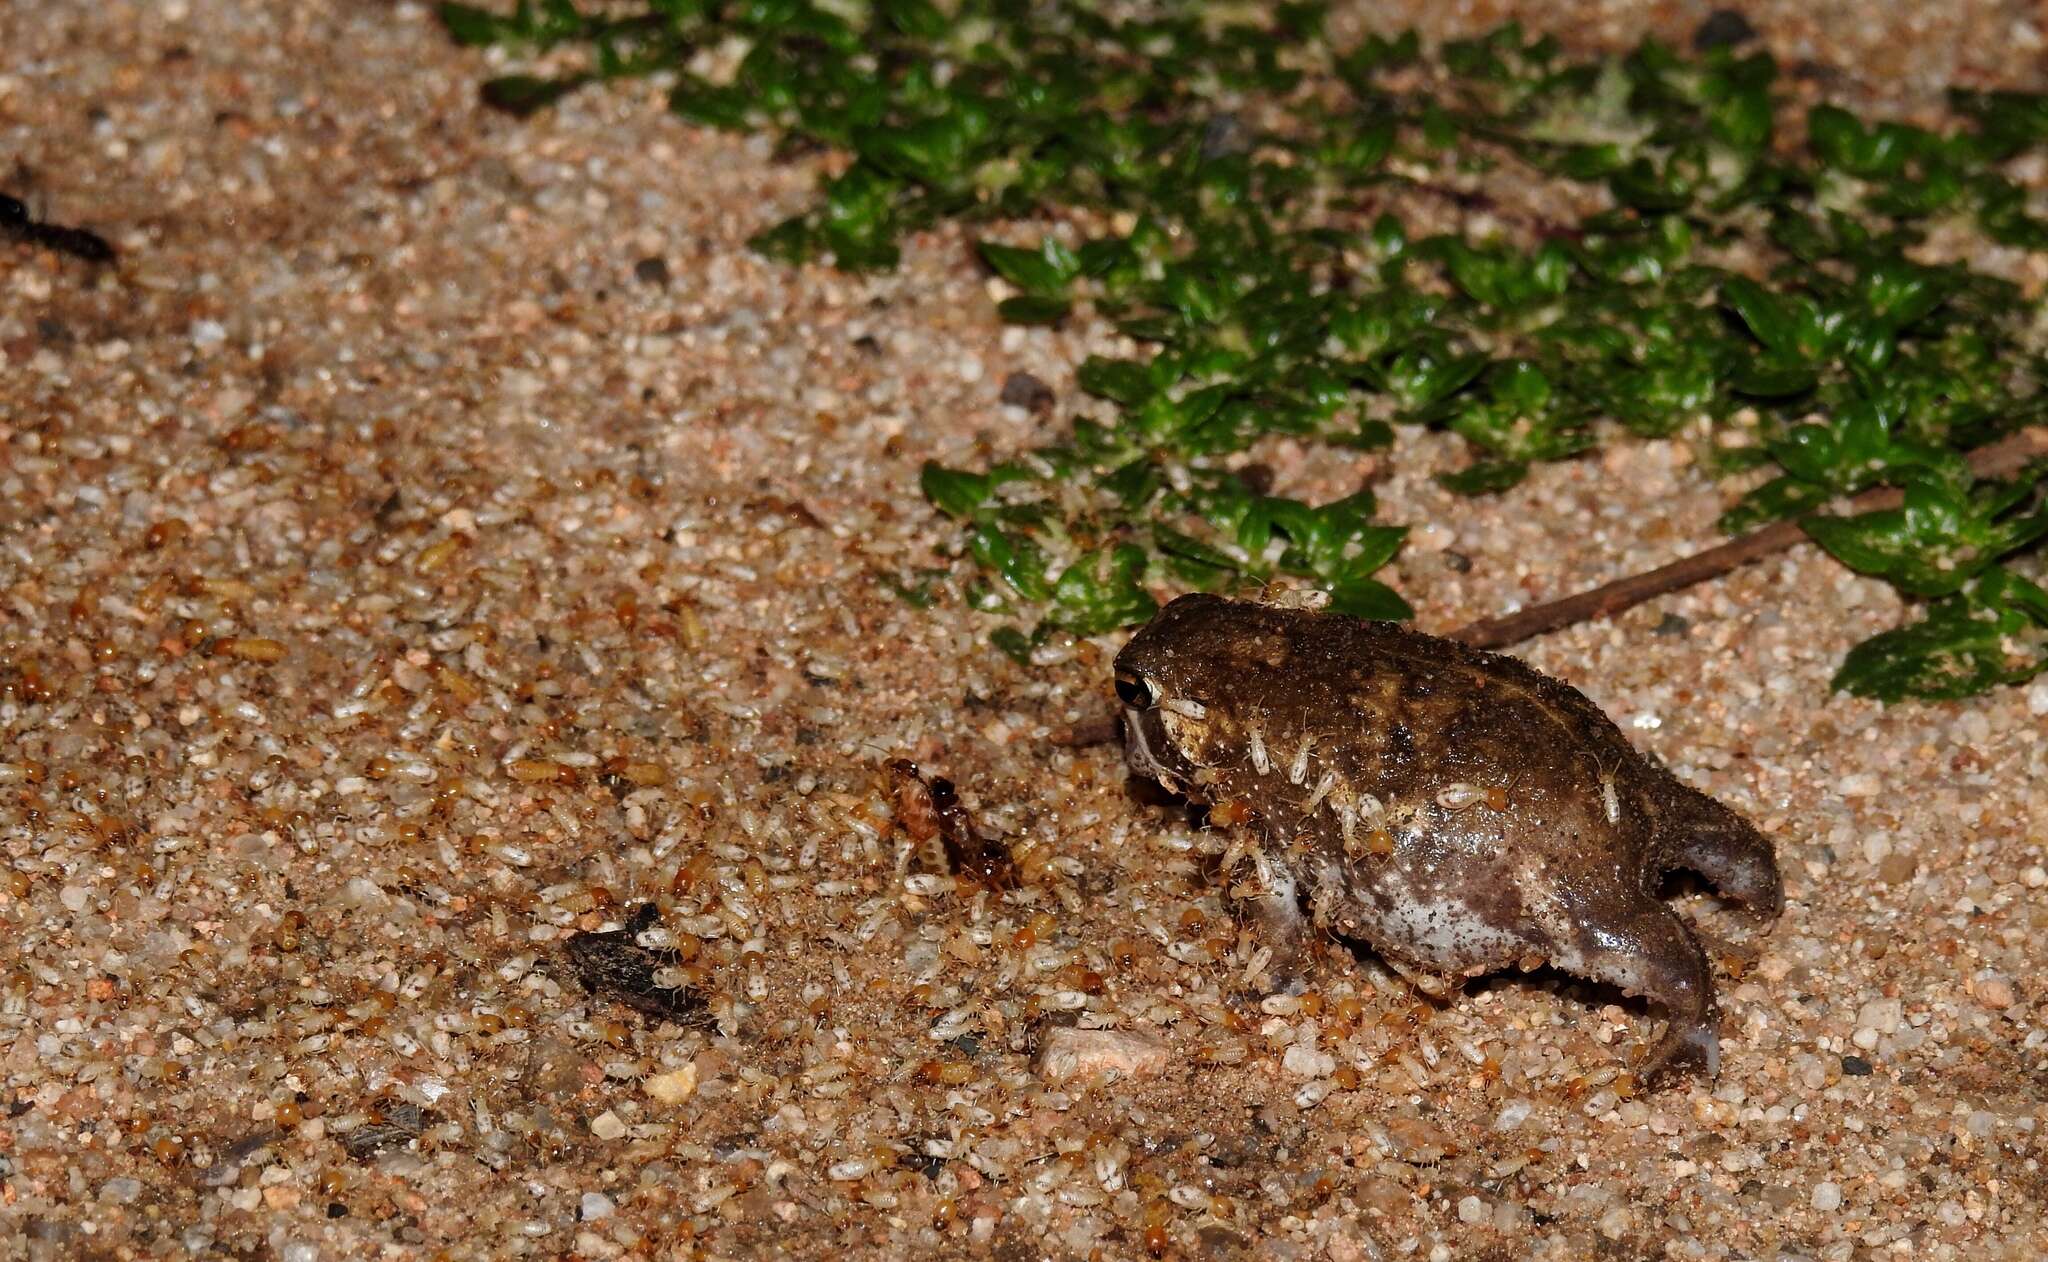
(1282, 926)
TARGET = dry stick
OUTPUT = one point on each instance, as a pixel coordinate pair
(2008, 455)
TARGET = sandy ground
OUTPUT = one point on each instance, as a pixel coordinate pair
(398, 577)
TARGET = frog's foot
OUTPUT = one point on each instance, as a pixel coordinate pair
(1725, 848)
(1647, 951)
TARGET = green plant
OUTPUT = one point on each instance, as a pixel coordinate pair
(1217, 178)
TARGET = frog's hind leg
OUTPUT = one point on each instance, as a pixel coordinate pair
(1703, 836)
(1643, 948)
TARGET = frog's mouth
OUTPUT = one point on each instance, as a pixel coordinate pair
(1149, 748)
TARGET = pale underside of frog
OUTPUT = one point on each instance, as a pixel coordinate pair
(1455, 810)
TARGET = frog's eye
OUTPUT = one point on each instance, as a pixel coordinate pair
(1132, 692)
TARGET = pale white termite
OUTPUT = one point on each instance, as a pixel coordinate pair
(1323, 789)
(1458, 796)
(1255, 741)
(1297, 773)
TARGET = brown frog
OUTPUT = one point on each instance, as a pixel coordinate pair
(1454, 809)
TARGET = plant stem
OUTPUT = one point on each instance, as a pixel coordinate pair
(2006, 456)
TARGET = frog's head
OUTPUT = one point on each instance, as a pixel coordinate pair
(1172, 678)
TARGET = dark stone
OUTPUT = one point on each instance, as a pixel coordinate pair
(1672, 624)
(1855, 1067)
(1457, 562)
(867, 345)
(652, 271)
(1022, 390)
(615, 966)
(1723, 28)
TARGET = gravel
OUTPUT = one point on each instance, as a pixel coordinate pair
(402, 575)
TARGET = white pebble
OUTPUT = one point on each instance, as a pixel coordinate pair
(596, 1205)
(607, 1125)
(121, 1191)
(1472, 1210)
(1882, 1015)
(1827, 1197)
(675, 1086)
(1068, 1052)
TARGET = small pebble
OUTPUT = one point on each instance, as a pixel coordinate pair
(1472, 1210)
(1067, 1052)
(121, 1191)
(1022, 390)
(673, 1087)
(1995, 992)
(1855, 1067)
(595, 1206)
(1827, 1197)
(652, 270)
(1882, 1015)
(1418, 1142)
(607, 1125)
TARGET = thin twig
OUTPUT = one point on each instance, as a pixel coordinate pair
(2006, 456)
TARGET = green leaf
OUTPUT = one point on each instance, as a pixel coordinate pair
(1016, 559)
(1194, 560)
(1778, 498)
(1012, 643)
(1031, 310)
(1102, 592)
(1965, 645)
(470, 26)
(1427, 373)
(1770, 317)
(1120, 380)
(1369, 598)
(954, 492)
(1936, 541)
(1043, 273)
